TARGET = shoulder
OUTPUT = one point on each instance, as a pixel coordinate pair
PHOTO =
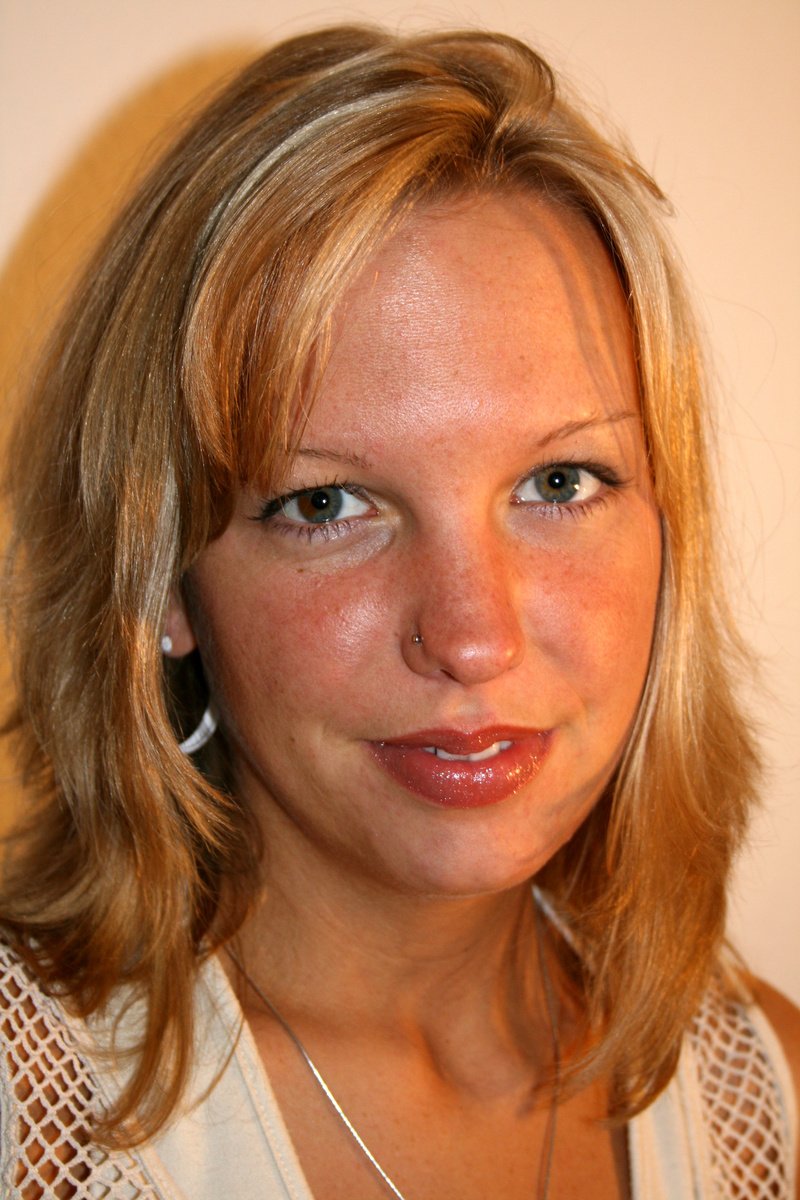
(37, 1063)
(49, 1096)
(743, 1045)
(28, 1013)
(746, 1029)
(784, 1017)
(739, 998)
(23, 1002)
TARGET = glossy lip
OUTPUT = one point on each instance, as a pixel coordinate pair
(464, 784)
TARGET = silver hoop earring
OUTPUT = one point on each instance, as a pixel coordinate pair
(204, 732)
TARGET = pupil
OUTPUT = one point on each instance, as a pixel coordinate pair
(558, 485)
(320, 506)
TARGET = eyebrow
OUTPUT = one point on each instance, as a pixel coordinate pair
(352, 460)
(562, 431)
(570, 427)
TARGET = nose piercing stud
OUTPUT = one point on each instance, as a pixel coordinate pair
(417, 639)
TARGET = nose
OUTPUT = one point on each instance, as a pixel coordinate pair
(466, 623)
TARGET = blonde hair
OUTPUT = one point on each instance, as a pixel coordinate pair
(183, 366)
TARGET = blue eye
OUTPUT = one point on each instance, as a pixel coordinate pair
(317, 506)
(559, 483)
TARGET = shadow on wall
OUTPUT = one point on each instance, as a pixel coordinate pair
(57, 239)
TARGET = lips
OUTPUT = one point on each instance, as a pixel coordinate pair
(459, 769)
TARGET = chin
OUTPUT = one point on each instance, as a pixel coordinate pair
(453, 875)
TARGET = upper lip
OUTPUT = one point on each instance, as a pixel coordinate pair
(460, 741)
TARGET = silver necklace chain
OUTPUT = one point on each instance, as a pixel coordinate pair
(546, 1160)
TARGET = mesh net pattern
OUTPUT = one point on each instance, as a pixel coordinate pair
(745, 1118)
(47, 1148)
(50, 1094)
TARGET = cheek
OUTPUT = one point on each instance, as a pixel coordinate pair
(593, 614)
(293, 641)
(329, 624)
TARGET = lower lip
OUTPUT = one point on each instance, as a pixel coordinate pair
(464, 784)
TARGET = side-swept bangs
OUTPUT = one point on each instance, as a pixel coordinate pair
(325, 164)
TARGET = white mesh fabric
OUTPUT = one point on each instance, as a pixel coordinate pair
(749, 1139)
(48, 1096)
(48, 1092)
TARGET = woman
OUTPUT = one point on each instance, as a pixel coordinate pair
(362, 557)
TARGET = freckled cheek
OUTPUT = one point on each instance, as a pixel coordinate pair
(301, 636)
(593, 615)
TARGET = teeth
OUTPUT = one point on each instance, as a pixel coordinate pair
(489, 752)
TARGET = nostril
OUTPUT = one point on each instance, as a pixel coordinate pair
(467, 624)
(444, 650)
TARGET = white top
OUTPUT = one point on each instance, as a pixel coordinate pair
(723, 1128)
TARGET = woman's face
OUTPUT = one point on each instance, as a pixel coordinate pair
(473, 474)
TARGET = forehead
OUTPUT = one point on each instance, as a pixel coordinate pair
(488, 300)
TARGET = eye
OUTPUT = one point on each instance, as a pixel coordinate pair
(558, 483)
(318, 506)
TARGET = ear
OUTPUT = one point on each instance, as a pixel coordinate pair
(178, 627)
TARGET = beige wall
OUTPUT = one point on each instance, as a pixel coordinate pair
(709, 96)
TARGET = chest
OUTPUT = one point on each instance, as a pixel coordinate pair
(434, 1142)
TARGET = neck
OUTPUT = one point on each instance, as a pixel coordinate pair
(403, 944)
(340, 949)
(545, 1163)
(441, 972)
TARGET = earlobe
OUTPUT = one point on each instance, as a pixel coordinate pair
(178, 635)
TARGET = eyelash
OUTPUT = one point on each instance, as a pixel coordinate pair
(553, 511)
(271, 510)
(325, 531)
